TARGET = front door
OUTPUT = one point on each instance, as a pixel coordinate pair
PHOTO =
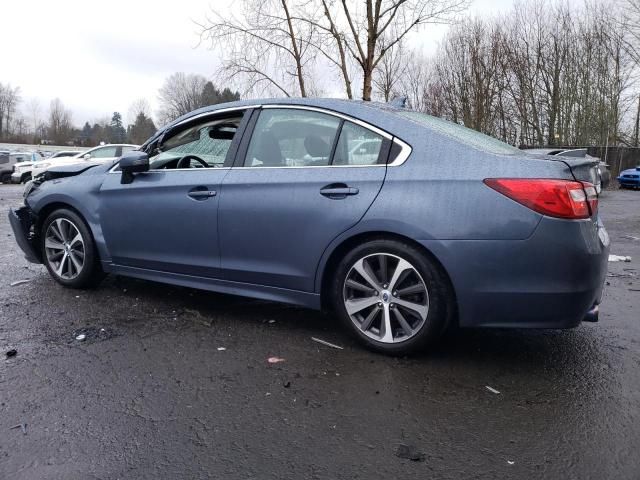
(166, 219)
(302, 178)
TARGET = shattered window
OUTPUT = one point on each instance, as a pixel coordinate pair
(462, 134)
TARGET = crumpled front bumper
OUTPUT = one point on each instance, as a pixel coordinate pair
(22, 221)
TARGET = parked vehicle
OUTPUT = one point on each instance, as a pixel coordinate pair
(102, 153)
(604, 174)
(7, 162)
(22, 170)
(265, 199)
(629, 178)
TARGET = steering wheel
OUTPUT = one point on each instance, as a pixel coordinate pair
(186, 160)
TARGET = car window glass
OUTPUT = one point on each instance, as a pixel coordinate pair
(357, 146)
(105, 152)
(462, 134)
(127, 149)
(206, 144)
(292, 138)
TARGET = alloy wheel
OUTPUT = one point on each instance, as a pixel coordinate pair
(386, 298)
(65, 248)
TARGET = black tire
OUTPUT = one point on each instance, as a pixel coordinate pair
(90, 274)
(5, 178)
(25, 178)
(440, 298)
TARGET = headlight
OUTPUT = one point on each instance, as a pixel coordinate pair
(27, 188)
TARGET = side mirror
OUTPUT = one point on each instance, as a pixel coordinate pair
(86, 156)
(133, 162)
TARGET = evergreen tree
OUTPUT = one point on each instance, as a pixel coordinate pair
(117, 133)
(141, 130)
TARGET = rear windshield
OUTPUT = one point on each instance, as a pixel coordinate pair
(462, 134)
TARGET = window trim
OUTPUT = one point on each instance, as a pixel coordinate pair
(228, 163)
(405, 148)
(254, 111)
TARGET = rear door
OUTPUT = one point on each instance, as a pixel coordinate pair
(299, 180)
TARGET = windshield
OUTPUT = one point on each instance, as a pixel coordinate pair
(462, 134)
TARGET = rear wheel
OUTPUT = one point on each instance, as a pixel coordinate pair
(392, 296)
(5, 178)
(68, 250)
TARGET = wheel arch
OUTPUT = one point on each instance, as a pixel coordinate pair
(46, 210)
(328, 268)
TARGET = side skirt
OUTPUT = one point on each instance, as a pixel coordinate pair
(283, 295)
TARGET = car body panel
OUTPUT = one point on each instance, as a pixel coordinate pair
(630, 177)
(129, 216)
(268, 233)
(297, 219)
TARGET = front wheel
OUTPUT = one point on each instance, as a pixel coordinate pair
(68, 250)
(392, 296)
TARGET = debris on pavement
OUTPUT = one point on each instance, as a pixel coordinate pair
(286, 384)
(324, 342)
(409, 452)
(22, 426)
(619, 258)
(491, 389)
(275, 360)
(221, 349)
(510, 462)
(81, 337)
(12, 353)
(18, 282)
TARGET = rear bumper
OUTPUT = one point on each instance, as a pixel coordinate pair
(21, 220)
(551, 280)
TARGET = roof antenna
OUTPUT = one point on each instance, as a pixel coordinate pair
(399, 102)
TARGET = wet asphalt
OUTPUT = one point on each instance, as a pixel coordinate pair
(151, 394)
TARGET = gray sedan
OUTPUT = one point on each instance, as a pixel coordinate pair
(431, 225)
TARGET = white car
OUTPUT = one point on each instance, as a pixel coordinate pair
(102, 153)
(22, 170)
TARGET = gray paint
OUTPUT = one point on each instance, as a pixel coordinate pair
(268, 233)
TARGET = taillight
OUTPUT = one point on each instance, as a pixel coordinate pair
(555, 198)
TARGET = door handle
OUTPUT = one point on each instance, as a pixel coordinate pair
(201, 193)
(338, 191)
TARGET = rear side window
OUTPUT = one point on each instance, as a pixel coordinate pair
(462, 134)
(292, 138)
(357, 146)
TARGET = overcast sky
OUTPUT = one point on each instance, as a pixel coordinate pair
(98, 60)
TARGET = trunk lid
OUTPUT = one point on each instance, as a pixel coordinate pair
(584, 169)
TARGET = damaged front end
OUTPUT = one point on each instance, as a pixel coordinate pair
(23, 222)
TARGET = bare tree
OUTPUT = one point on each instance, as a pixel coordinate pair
(9, 100)
(266, 46)
(390, 70)
(34, 110)
(374, 27)
(180, 94)
(59, 127)
(138, 106)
